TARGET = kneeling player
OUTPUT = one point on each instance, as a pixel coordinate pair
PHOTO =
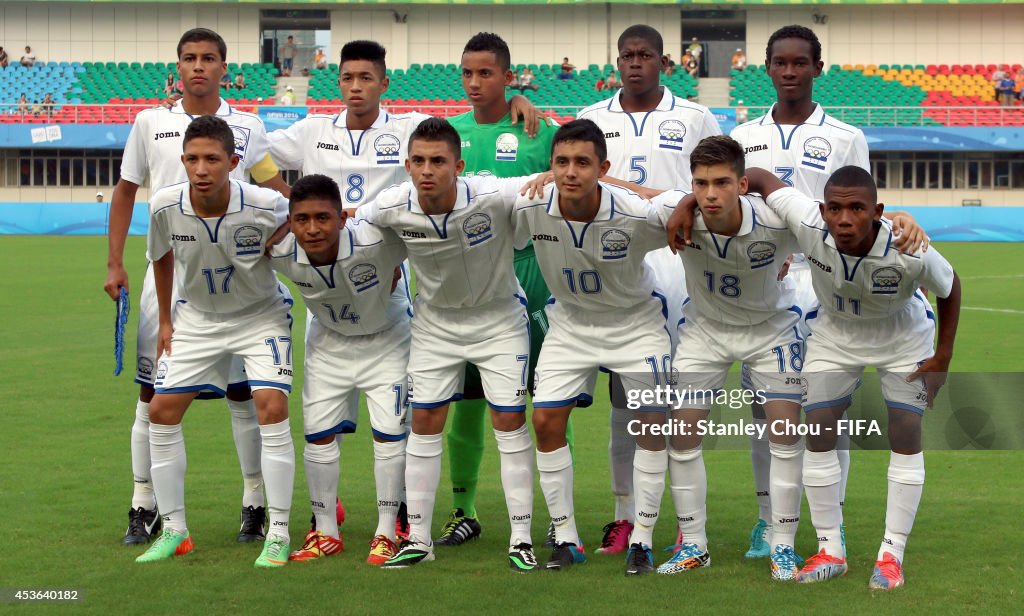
(209, 234)
(872, 314)
(358, 340)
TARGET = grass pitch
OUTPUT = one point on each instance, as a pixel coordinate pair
(65, 485)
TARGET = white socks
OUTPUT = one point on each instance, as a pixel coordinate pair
(649, 469)
(278, 461)
(246, 431)
(822, 477)
(621, 445)
(167, 449)
(422, 474)
(760, 462)
(786, 487)
(556, 481)
(689, 482)
(843, 451)
(906, 482)
(321, 463)
(515, 449)
(143, 495)
(389, 475)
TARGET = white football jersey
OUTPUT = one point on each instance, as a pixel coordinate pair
(598, 265)
(653, 148)
(805, 155)
(363, 163)
(219, 265)
(734, 280)
(462, 259)
(351, 296)
(154, 145)
(876, 286)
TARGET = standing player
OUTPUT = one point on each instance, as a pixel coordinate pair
(153, 151)
(209, 236)
(469, 308)
(802, 145)
(650, 133)
(872, 314)
(591, 239)
(491, 145)
(358, 340)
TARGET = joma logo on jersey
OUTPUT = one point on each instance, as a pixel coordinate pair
(824, 268)
(303, 284)
(885, 281)
(248, 241)
(611, 135)
(320, 145)
(671, 134)
(387, 147)
(363, 276)
(160, 136)
(614, 244)
(416, 234)
(477, 228)
(182, 238)
(756, 148)
(543, 237)
(761, 254)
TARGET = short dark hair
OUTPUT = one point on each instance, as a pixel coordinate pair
(717, 150)
(197, 35)
(488, 41)
(438, 129)
(798, 32)
(365, 50)
(852, 176)
(211, 127)
(645, 32)
(315, 186)
(581, 130)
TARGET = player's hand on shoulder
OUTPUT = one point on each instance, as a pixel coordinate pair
(784, 270)
(679, 225)
(933, 371)
(117, 277)
(909, 235)
(646, 192)
(275, 239)
(535, 187)
(169, 102)
(521, 107)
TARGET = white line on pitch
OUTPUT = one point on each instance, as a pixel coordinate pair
(1006, 310)
(993, 277)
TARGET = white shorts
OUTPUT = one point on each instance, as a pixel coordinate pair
(633, 343)
(437, 362)
(772, 353)
(670, 279)
(840, 349)
(336, 368)
(203, 345)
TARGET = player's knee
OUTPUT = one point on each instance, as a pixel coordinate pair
(271, 406)
(146, 393)
(429, 421)
(240, 393)
(327, 440)
(507, 421)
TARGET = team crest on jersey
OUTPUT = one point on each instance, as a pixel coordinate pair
(886, 281)
(477, 228)
(816, 153)
(241, 140)
(506, 147)
(248, 241)
(387, 147)
(144, 366)
(761, 254)
(671, 134)
(614, 244)
(363, 276)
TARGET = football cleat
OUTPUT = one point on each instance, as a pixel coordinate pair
(402, 523)
(685, 556)
(821, 567)
(616, 537)
(168, 544)
(759, 547)
(318, 545)
(274, 554)
(549, 540)
(888, 574)
(564, 556)
(143, 526)
(458, 529)
(410, 552)
(521, 558)
(339, 511)
(639, 560)
(254, 521)
(678, 545)
(382, 550)
(783, 562)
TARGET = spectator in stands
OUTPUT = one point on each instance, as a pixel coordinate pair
(695, 48)
(225, 82)
(1018, 83)
(99, 197)
(739, 59)
(240, 82)
(169, 88)
(4, 59)
(288, 98)
(1005, 89)
(288, 52)
(320, 59)
(567, 69)
(690, 64)
(29, 59)
(526, 78)
(47, 105)
(997, 77)
(599, 86)
(612, 82)
(23, 104)
(670, 65)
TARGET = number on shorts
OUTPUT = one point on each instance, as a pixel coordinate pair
(286, 342)
(225, 282)
(796, 360)
(665, 367)
(525, 360)
(399, 400)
